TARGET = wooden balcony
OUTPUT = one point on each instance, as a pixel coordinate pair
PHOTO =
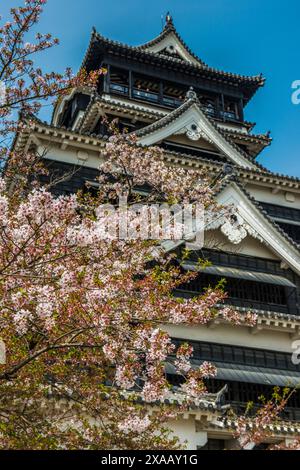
(143, 95)
(168, 94)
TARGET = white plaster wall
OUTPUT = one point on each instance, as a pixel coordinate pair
(185, 430)
(234, 335)
(249, 246)
(70, 155)
(199, 144)
(265, 194)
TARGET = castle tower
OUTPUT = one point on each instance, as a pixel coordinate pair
(167, 96)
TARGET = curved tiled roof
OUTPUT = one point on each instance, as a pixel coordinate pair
(262, 139)
(166, 120)
(169, 118)
(97, 99)
(253, 137)
(264, 314)
(242, 172)
(250, 82)
(257, 142)
(279, 427)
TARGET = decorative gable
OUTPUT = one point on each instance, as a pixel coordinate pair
(170, 43)
(248, 221)
(190, 119)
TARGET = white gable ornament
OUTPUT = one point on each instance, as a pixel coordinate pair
(234, 232)
(195, 133)
(233, 227)
(196, 125)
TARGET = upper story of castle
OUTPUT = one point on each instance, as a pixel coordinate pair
(143, 84)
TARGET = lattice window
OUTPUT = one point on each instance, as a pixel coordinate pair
(243, 290)
(292, 230)
(240, 355)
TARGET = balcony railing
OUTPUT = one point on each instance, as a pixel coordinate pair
(120, 89)
(229, 115)
(173, 102)
(145, 95)
(170, 101)
(219, 114)
(210, 110)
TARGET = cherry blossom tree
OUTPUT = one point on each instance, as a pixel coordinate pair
(252, 429)
(24, 87)
(83, 319)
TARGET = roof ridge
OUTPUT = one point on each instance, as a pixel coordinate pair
(170, 28)
(265, 136)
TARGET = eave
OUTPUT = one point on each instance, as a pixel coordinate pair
(255, 142)
(266, 320)
(265, 178)
(99, 106)
(48, 131)
(99, 45)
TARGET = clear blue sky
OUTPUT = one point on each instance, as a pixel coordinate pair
(242, 36)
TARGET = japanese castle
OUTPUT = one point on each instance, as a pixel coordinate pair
(169, 97)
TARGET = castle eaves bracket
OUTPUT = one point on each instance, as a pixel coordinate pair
(192, 121)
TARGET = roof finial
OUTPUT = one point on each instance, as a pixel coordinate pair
(191, 94)
(169, 21)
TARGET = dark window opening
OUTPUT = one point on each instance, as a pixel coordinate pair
(241, 289)
(146, 88)
(239, 394)
(220, 107)
(119, 81)
(78, 103)
(214, 444)
(244, 293)
(292, 231)
(210, 104)
(281, 212)
(173, 94)
(213, 352)
(229, 110)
